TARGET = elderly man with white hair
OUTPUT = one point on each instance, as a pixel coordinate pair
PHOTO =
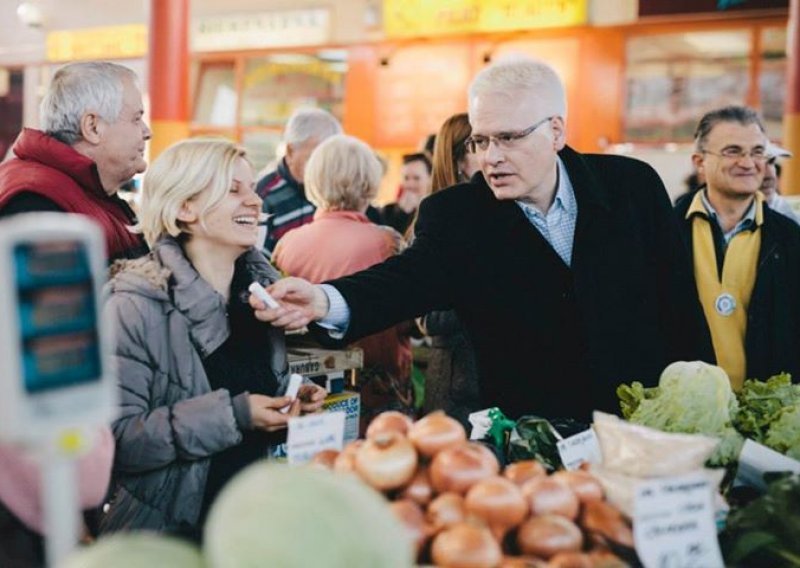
(566, 269)
(92, 141)
(282, 190)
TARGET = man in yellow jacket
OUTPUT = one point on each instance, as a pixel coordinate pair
(746, 257)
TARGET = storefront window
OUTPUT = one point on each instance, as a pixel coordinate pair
(276, 85)
(772, 79)
(673, 79)
(215, 101)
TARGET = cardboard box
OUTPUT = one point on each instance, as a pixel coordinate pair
(348, 402)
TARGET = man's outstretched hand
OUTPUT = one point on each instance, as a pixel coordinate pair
(301, 303)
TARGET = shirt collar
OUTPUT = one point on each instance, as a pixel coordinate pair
(754, 216)
(565, 194)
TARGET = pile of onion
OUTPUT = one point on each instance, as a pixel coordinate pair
(461, 510)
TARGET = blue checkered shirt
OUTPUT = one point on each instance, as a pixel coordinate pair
(558, 225)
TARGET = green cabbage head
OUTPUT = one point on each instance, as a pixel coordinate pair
(298, 517)
(136, 550)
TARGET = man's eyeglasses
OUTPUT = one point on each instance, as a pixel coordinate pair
(736, 153)
(504, 140)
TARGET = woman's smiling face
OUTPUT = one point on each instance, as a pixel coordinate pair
(233, 222)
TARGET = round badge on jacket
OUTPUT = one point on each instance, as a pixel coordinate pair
(725, 304)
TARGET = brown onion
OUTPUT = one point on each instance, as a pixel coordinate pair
(521, 471)
(458, 468)
(435, 432)
(547, 535)
(345, 462)
(412, 517)
(419, 489)
(547, 495)
(324, 459)
(585, 485)
(602, 558)
(387, 462)
(499, 502)
(570, 560)
(522, 562)
(389, 421)
(446, 510)
(466, 545)
(606, 520)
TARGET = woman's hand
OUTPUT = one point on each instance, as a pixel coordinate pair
(265, 411)
(311, 398)
(300, 303)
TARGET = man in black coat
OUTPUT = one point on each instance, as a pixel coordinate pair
(567, 270)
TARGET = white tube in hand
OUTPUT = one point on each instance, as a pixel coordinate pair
(295, 381)
(259, 292)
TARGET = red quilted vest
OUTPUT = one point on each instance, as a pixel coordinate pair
(48, 167)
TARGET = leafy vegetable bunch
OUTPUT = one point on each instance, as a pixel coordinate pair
(769, 413)
(691, 398)
(697, 398)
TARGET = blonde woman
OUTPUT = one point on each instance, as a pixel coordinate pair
(342, 177)
(198, 375)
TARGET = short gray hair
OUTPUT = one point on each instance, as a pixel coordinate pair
(734, 113)
(520, 72)
(308, 123)
(76, 88)
(342, 174)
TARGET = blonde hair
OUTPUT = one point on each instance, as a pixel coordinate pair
(180, 174)
(342, 174)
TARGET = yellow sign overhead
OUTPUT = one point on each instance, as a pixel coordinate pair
(108, 42)
(415, 18)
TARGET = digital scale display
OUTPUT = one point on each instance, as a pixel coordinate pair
(56, 315)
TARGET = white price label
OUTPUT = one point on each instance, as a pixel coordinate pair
(755, 460)
(673, 523)
(311, 434)
(580, 448)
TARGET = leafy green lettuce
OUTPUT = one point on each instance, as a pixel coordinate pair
(769, 413)
(691, 398)
(697, 398)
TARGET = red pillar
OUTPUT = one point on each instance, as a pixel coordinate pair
(168, 65)
(791, 121)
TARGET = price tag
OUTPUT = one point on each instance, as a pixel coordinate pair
(580, 448)
(311, 434)
(755, 460)
(673, 523)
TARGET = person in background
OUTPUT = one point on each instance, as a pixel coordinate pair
(415, 185)
(342, 177)
(22, 526)
(567, 270)
(282, 190)
(199, 376)
(746, 257)
(427, 144)
(451, 376)
(770, 187)
(92, 142)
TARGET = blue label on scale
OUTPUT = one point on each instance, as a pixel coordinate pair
(56, 315)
